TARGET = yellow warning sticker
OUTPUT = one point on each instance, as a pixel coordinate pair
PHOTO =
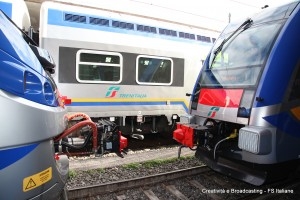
(37, 179)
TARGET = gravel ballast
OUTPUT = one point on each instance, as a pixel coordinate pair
(110, 168)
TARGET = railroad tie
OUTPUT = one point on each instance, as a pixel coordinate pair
(176, 192)
(217, 180)
(150, 194)
(201, 187)
(121, 197)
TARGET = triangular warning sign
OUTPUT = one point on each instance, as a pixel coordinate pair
(30, 184)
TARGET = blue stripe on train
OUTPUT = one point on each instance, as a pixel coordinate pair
(285, 122)
(10, 156)
(126, 104)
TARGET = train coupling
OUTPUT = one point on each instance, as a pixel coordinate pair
(88, 137)
(187, 135)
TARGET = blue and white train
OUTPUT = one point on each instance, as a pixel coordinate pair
(129, 68)
(244, 117)
(32, 114)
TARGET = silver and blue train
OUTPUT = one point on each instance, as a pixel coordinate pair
(132, 69)
(244, 117)
(31, 116)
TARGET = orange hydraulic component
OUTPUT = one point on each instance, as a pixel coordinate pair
(81, 124)
(83, 115)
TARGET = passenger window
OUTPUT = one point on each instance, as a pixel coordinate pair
(154, 70)
(98, 67)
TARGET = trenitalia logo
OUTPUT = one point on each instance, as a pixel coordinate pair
(112, 91)
(213, 111)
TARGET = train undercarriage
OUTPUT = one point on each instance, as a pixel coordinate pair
(137, 126)
(85, 137)
(216, 144)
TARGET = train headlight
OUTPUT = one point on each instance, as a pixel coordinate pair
(255, 140)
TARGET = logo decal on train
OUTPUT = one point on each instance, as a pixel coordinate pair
(112, 91)
(213, 111)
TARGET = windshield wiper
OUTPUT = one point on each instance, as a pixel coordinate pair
(247, 23)
(25, 36)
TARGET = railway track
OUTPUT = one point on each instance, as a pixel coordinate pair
(192, 183)
(116, 187)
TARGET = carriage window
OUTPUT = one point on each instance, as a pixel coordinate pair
(154, 70)
(98, 67)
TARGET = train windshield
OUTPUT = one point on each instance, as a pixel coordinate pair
(240, 60)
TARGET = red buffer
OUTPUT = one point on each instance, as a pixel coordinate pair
(184, 134)
(123, 143)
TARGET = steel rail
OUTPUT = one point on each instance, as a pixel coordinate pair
(111, 187)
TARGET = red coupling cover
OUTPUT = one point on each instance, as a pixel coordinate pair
(123, 143)
(184, 135)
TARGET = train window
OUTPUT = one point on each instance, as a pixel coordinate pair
(99, 21)
(240, 61)
(187, 35)
(152, 70)
(149, 29)
(119, 24)
(98, 67)
(163, 31)
(203, 38)
(75, 18)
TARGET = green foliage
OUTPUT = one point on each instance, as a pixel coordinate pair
(154, 163)
(131, 166)
(72, 174)
(100, 170)
(148, 164)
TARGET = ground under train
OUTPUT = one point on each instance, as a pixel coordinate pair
(244, 117)
(123, 67)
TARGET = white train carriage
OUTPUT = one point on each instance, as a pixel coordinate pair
(132, 69)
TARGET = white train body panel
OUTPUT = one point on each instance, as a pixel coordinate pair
(70, 31)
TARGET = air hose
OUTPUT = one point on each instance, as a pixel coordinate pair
(231, 136)
(81, 124)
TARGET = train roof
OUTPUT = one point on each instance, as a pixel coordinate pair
(267, 15)
(132, 8)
